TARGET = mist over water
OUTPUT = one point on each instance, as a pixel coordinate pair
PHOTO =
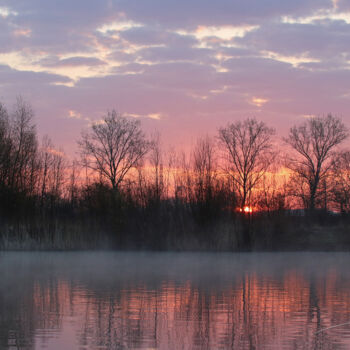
(174, 301)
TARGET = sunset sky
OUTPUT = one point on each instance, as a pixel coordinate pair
(184, 67)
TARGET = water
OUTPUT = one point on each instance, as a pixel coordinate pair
(174, 301)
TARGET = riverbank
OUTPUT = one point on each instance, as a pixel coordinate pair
(225, 234)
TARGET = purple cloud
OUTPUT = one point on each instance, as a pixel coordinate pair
(73, 62)
(320, 39)
(155, 60)
(189, 14)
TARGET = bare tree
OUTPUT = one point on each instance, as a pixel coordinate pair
(314, 142)
(113, 147)
(24, 147)
(58, 171)
(46, 162)
(340, 184)
(156, 161)
(271, 196)
(204, 168)
(73, 186)
(249, 152)
(5, 146)
(52, 171)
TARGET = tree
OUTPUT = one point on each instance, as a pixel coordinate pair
(340, 184)
(5, 147)
(113, 147)
(314, 142)
(207, 191)
(24, 165)
(249, 153)
(156, 162)
(73, 188)
(204, 169)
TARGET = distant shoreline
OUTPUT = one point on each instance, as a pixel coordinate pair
(295, 235)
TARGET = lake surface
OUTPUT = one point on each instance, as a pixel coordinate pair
(66, 301)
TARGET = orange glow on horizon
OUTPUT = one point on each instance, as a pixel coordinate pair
(246, 209)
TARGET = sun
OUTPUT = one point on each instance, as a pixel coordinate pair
(246, 209)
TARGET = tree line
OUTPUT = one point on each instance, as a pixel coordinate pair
(237, 190)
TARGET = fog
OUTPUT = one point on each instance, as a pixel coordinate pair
(109, 300)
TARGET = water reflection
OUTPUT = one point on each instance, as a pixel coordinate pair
(174, 301)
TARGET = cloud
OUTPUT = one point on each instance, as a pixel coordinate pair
(73, 62)
(190, 14)
(258, 101)
(343, 5)
(308, 116)
(74, 114)
(318, 40)
(183, 67)
(7, 12)
(157, 36)
(164, 54)
(56, 152)
(20, 79)
(156, 116)
(22, 32)
(58, 28)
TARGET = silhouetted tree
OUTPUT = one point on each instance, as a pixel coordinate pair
(340, 183)
(205, 168)
(73, 183)
(52, 174)
(5, 147)
(156, 162)
(249, 153)
(206, 190)
(187, 204)
(113, 147)
(24, 148)
(313, 141)
(271, 196)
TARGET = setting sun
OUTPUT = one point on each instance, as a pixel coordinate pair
(246, 209)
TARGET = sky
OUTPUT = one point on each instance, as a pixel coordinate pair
(184, 67)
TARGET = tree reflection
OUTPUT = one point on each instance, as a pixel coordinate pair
(251, 308)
